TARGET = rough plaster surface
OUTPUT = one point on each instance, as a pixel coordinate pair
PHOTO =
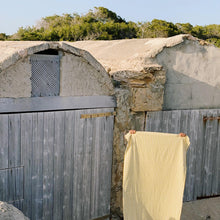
(79, 78)
(193, 76)
(15, 80)
(9, 212)
(81, 74)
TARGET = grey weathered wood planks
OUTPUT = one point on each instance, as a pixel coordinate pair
(48, 169)
(217, 185)
(14, 141)
(68, 164)
(11, 170)
(203, 156)
(87, 162)
(95, 168)
(54, 103)
(207, 171)
(61, 164)
(105, 169)
(192, 130)
(26, 143)
(199, 157)
(4, 185)
(78, 166)
(210, 150)
(3, 141)
(11, 184)
(15, 184)
(58, 164)
(37, 166)
(215, 156)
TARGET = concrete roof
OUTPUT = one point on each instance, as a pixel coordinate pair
(114, 55)
(129, 54)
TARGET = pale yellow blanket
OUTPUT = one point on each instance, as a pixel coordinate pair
(154, 176)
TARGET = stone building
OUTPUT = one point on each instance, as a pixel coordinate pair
(166, 85)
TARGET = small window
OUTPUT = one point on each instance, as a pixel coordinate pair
(45, 79)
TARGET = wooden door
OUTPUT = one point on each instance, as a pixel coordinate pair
(203, 156)
(57, 164)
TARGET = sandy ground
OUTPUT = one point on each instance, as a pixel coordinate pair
(202, 209)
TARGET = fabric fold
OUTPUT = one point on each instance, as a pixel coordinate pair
(154, 176)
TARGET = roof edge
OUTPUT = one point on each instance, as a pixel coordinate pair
(23, 53)
(158, 46)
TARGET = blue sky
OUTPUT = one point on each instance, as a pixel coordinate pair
(18, 13)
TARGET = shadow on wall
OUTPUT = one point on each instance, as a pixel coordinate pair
(184, 92)
(192, 77)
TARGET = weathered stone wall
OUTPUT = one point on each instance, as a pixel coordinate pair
(136, 93)
(15, 80)
(146, 86)
(124, 121)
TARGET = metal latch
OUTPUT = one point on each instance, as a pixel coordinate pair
(95, 115)
(205, 118)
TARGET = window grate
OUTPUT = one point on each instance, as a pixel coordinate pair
(45, 79)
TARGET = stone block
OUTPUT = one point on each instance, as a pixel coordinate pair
(143, 99)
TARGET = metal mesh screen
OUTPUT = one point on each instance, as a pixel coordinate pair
(45, 79)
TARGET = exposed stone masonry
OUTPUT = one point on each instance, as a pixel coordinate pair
(146, 87)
